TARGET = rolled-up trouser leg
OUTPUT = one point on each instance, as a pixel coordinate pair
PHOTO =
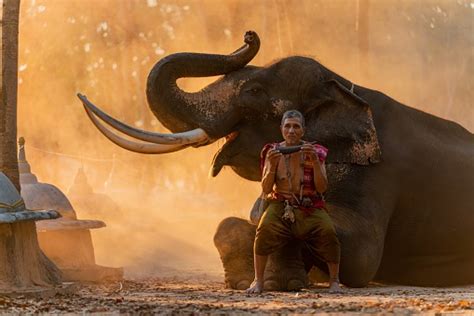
(272, 232)
(274, 237)
(321, 237)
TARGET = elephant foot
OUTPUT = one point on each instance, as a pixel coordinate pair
(285, 269)
(242, 285)
(317, 275)
(295, 285)
(271, 285)
(234, 241)
(285, 283)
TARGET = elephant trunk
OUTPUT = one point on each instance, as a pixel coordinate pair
(181, 111)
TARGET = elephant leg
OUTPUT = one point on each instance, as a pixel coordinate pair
(234, 241)
(317, 270)
(361, 254)
(285, 269)
(358, 264)
(362, 246)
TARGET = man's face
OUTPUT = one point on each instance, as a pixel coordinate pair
(292, 131)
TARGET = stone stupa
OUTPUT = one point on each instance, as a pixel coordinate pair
(90, 203)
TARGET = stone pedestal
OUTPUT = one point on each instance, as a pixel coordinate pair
(23, 266)
(66, 241)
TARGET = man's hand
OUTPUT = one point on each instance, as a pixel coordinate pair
(310, 152)
(273, 156)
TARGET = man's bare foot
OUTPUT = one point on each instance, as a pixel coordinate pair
(255, 288)
(334, 287)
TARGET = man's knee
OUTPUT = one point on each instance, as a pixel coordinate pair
(326, 230)
(325, 245)
(263, 247)
(329, 235)
(266, 241)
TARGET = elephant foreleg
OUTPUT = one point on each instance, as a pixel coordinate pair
(234, 240)
(362, 245)
(285, 269)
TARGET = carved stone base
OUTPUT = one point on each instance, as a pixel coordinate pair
(22, 264)
(72, 251)
(41, 292)
(94, 273)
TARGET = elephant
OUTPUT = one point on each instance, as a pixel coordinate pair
(401, 181)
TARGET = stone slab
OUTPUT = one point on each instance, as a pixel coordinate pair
(94, 273)
(41, 292)
(68, 224)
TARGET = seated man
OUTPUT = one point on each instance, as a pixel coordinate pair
(294, 184)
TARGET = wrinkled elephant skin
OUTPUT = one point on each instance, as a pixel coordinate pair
(401, 181)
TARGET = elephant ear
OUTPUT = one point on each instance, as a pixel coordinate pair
(342, 121)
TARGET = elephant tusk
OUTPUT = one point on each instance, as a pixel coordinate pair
(196, 136)
(138, 147)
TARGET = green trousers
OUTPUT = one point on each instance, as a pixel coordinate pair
(315, 229)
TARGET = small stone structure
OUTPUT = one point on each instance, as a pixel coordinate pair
(89, 203)
(67, 241)
(12, 205)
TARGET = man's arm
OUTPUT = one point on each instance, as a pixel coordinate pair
(269, 170)
(268, 179)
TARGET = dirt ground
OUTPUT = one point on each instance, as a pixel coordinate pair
(204, 294)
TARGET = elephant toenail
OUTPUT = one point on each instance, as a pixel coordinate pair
(271, 285)
(295, 285)
(242, 285)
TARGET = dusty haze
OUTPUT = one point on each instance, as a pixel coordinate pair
(168, 208)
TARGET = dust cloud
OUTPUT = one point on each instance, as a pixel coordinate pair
(166, 209)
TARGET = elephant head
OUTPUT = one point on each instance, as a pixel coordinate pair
(245, 106)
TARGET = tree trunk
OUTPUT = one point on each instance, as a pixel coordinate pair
(23, 266)
(8, 91)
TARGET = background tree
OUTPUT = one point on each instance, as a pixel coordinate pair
(22, 264)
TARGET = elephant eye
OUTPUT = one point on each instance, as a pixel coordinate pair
(254, 90)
